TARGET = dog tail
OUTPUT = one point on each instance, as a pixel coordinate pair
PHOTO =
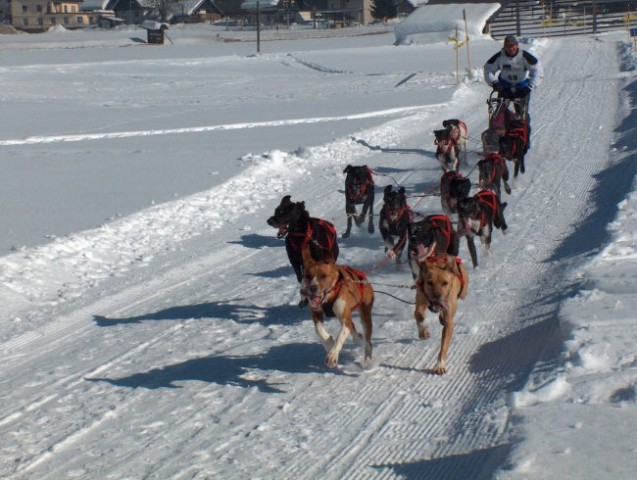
(504, 206)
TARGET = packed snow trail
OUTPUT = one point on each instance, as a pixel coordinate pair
(199, 364)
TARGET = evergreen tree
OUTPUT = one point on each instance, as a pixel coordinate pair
(384, 9)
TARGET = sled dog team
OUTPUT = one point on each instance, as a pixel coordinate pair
(441, 278)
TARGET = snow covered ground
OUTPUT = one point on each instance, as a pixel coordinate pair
(149, 326)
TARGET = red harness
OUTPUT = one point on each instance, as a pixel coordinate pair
(404, 209)
(356, 276)
(300, 240)
(442, 223)
(495, 159)
(445, 146)
(519, 133)
(488, 198)
(357, 197)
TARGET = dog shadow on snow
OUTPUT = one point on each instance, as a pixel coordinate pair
(230, 370)
(474, 465)
(240, 313)
(378, 148)
(258, 242)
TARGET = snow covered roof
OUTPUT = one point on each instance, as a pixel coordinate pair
(95, 4)
(263, 4)
(431, 22)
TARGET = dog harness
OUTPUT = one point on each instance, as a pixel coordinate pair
(300, 240)
(520, 133)
(488, 198)
(361, 195)
(401, 212)
(494, 159)
(356, 276)
(446, 145)
(442, 223)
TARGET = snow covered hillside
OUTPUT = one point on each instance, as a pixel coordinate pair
(149, 325)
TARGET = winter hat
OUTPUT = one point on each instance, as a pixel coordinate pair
(510, 40)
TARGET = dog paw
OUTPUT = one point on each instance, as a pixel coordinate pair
(367, 362)
(331, 359)
(345, 235)
(440, 368)
(370, 230)
(423, 332)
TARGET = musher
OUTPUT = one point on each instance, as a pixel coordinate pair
(513, 73)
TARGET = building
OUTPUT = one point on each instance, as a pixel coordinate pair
(40, 15)
(332, 13)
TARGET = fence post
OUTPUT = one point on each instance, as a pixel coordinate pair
(466, 37)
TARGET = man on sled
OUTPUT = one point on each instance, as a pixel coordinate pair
(513, 73)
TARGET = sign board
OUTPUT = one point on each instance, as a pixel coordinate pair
(633, 32)
(156, 36)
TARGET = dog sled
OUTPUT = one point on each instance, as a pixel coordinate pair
(508, 131)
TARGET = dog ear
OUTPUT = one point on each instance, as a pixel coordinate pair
(401, 191)
(285, 200)
(347, 169)
(445, 123)
(327, 256)
(388, 189)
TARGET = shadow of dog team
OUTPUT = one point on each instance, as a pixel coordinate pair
(431, 242)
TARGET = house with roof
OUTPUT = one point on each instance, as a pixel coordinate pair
(330, 12)
(40, 15)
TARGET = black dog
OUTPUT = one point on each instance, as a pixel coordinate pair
(429, 237)
(453, 188)
(359, 189)
(477, 216)
(395, 217)
(299, 229)
(514, 144)
(493, 172)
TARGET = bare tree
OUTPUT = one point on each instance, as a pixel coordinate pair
(163, 7)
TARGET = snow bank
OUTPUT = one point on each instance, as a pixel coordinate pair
(430, 23)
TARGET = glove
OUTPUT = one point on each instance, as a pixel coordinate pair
(524, 91)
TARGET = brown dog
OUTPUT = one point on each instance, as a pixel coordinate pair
(337, 291)
(443, 279)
